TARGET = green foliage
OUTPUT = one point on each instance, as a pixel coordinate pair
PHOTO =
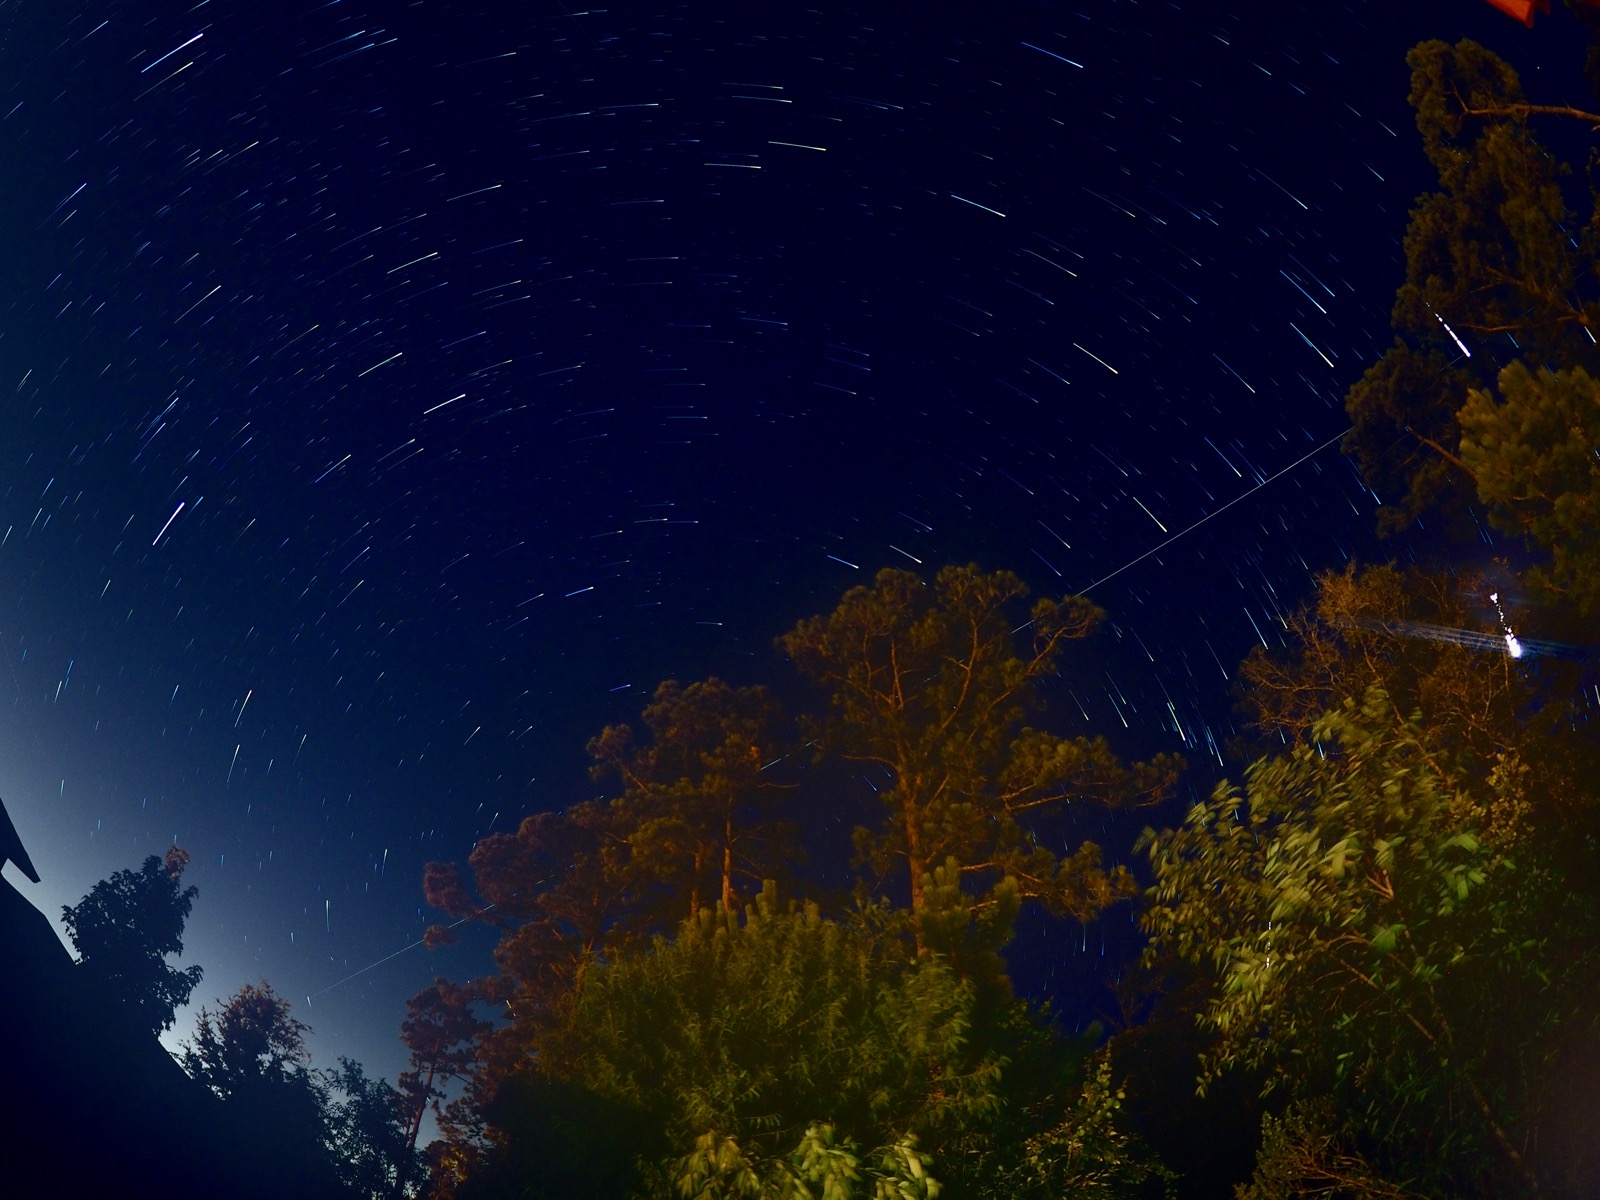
(821, 1167)
(123, 931)
(932, 685)
(1370, 946)
(601, 877)
(1491, 253)
(758, 1028)
(778, 1051)
(1506, 729)
(772, 1050)
(1535, 458)
(1085, 1154)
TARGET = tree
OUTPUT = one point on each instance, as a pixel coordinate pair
(1535, 459)
(1496, 268)
(444, 1035)
(1304, 1153)
(253, 1041)
(562, 889)
(758, 1028)
(370, 1132)
(569, 888)
(783, 1051)
(1371, 946)
(125, 928)
(930, 687)
(822, 1164)
(252, 1055)
(696, 792)
(1434, 640)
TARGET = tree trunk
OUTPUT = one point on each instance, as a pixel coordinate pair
(400, 1171)
(919, 895)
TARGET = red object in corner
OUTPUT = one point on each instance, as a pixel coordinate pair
(1522, 10)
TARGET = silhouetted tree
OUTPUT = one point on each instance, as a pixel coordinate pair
(444, 1036)
(369, 1123)
(125, 928)
(252, 1055)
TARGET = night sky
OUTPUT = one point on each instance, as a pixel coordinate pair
(391, 394)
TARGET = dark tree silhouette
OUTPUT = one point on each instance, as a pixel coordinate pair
(125, 928)
(370, 1126)
(253, 1041)
(252, 1054)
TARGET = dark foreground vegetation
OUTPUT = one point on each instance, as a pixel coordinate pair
(1372, 952)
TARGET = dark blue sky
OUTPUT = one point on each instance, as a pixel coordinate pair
(391, 394)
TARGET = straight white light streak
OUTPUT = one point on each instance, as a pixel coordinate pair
(975, 204)
(170, 520)
(392, 357)
(1054, 55)
(171, 52)
(1104, 363)
(1453, 336)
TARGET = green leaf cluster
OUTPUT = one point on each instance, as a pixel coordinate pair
(1369, 946)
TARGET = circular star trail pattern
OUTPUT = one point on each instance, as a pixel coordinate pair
(392, 394)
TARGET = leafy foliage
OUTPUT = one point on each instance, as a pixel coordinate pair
(604, 876)
(1303, 1153)
(125, 928)
(370, 1132)
(821, 1167)
(1085, 1154)
(1410, 632)
(1371, 946)
(561, 888)
(252, 1055)
(761, 1027)
(253, 1041)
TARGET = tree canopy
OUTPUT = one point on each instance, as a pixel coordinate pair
(125, 928)
(930, 686)
(1502, 286)
(1372, 946)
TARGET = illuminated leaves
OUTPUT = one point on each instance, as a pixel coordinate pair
(1535, 458)
(1359, 931)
